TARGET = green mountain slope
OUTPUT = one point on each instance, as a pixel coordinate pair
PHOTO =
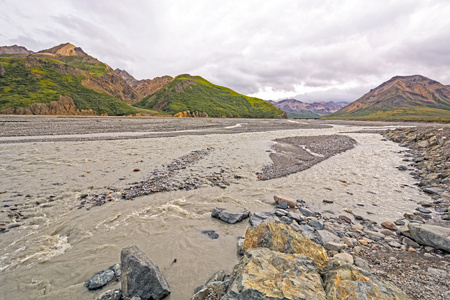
(401, 98)
(195, 94)
(33, 79)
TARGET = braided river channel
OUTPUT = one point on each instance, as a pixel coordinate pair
(54, 238)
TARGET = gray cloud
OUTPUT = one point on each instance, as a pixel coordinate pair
(334, 50)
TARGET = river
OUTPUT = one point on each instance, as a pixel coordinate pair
(57, 247)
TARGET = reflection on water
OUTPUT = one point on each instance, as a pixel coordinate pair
(56, 247)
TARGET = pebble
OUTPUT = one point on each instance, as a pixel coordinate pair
(211, 234)
(389, 225)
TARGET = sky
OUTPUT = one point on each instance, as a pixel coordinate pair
(326, 50)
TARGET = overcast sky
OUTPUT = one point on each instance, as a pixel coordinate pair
(308, 50)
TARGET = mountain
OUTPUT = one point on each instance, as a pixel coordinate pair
(298, 109)
(402, 97)
(144, 87)
(15, 50)
(188, 95)
(38, 82)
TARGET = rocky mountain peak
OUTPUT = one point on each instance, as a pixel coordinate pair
(127, 76)
(14, 49)
(66, 49)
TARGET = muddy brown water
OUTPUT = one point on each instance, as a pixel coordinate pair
(58, 246)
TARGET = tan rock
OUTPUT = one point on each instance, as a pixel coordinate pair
(344, 258)
(389, 225)
(291, 202)
(279, 237)
(351, 283)
(267, 274)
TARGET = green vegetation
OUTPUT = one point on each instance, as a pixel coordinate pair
(193, 93)
(302, 115)
(40, 80)
(87, 64)
(419, 113)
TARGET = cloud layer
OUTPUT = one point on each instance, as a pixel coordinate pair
(310, 50)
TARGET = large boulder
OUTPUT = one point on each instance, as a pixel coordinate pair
(229, 217)
(140, 277)
(282, 238)
(351, 283)
(431, 235)
(266, 274)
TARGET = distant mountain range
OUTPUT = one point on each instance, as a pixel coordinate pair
(298, 109)
(401, 98)
(66, 80)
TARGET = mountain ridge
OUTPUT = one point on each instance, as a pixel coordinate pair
(187, 94)
(298, 109)
(401, 97)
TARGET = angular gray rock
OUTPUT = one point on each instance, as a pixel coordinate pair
(229, 217)
(110, 295)
(102, 278)
(140, 277)
(261, 217)
(431, 235)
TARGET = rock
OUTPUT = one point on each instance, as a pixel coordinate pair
(327, 236)
(110, 295)
(306, 212)
(281, 212)
(140, 277)
(399, 223)
(240, 246)
(437, 272)
(266, 274)
(316, 224)
(286, 220)
(404, 230)
(261, 217)
(280, 237)
(423, 210)
(335, 246)
(410, 243)
(230, 217)
(349, 282)
(402, 168)
(211, 234)
(431, 235)
(389, 225)
(295, 216)
(348, 241)
(426, 203)
(358, 227)
(282, 205)
(291, 202)
(212, 290)
(214, 286)
(388, 232)
(344, 258)
(102, 278)
(327, 201)
(433, 190)
(361, 263)
(394, 244)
